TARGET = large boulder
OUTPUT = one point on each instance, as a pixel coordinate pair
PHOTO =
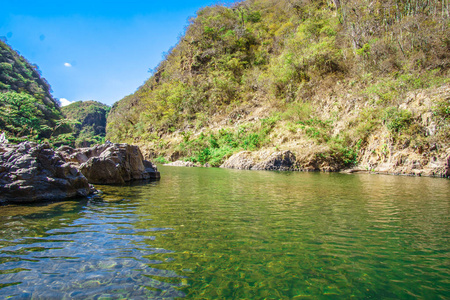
(31, 172)
(111, 163)
(242, 161)
(262, 160)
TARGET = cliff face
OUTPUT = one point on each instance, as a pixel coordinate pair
(27, 109)
(339, 85)
(89, 122)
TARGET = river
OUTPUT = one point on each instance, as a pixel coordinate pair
(226, 234)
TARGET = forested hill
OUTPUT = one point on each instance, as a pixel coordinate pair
(328, 80)
(27, 109)
(88, 122)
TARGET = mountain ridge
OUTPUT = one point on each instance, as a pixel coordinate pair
(321, 79)
(89, 122)
(29, 111)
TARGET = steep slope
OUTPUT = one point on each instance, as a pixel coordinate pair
(339, 84)
(89, 121)
(27, 109)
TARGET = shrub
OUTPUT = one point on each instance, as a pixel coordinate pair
(160, 160)
(397, 120)
(442, 109)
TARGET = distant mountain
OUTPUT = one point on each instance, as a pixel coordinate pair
(89, 121)
(27, 109)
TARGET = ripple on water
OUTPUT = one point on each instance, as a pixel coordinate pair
(98, 254)
(226, 234)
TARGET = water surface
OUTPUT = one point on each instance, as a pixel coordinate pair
(213, 233)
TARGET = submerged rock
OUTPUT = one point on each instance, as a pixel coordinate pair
(262, 160)
(31, 172)
(111, 163)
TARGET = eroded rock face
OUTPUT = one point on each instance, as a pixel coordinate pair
(31, 172)
(111, 163)
(262, 160)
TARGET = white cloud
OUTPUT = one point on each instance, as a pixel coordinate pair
(64, 102)
(68, 65)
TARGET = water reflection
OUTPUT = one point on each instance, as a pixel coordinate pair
(241, 234)
(212, 233)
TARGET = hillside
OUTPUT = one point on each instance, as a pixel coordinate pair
(27, 109)
(88, 122)
(340, 84)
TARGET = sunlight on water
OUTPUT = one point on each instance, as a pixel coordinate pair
(213, 233)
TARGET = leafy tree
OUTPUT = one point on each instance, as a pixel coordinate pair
(19, 114)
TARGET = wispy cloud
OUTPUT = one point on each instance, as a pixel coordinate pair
(68, 65)
(64, 102)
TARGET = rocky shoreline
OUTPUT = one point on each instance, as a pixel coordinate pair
(287, 161)
(31, 172)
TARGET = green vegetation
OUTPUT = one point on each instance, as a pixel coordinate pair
(88, 122)
(303, 61)
(27, 109)
(397, 120)
(28, 112)
(19, 115)
(212, 147)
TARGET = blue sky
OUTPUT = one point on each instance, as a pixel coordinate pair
(95, 50)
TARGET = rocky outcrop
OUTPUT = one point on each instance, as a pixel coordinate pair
(242, 161)
(31, 172)
(262, 160)
(111, 163)
(382, 156)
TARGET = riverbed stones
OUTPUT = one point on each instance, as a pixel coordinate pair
(111, 163)
(31, 172)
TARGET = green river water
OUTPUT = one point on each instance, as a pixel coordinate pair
(226, 234)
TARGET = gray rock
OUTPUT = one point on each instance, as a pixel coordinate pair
(262, 160)
(111, 163)
(180, 163)
(242, 161)
(31, 172)
(280, 161)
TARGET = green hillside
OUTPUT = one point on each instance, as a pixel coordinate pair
(88, 122)
(318, 77)
(27, 109)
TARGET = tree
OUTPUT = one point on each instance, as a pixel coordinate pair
(19, 114)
